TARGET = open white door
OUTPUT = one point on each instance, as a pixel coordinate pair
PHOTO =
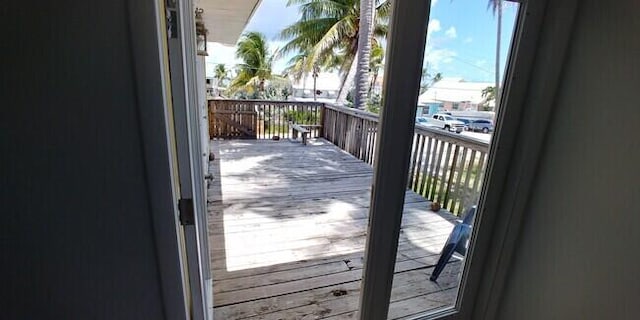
(192, 191)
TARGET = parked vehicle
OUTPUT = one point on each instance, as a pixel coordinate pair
(422, 120)
(485, 126)
(465, 121)
(446, 122)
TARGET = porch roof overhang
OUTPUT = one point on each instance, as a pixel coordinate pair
(226, 19)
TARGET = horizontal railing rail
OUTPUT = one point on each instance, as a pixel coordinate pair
(262, 119)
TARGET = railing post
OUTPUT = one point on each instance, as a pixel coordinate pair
(321, 121)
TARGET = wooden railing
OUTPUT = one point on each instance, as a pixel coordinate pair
(445, 167)
(257, 119)
(352, 130)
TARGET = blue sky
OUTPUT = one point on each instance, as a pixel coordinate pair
(461, 40)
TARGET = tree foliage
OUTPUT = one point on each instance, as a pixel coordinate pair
(257, 61)
(326, 35)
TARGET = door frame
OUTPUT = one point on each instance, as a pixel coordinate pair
(165, 128)
(196, 234)
(150, 65)
(182, 54)
(532, 74)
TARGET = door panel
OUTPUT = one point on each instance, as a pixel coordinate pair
(190, 175)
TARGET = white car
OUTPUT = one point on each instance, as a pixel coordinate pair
(446, 122)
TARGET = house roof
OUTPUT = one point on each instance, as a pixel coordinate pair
(326, 81)
(225, 20)
(454, 90)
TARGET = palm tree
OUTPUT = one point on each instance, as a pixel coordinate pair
(496, 6)
(297, 66)
(364, 52)
(489, 93)
(329, 30)
(255, 68)
(297, 69)
(428, 79)
(375, 63)
(221, 73)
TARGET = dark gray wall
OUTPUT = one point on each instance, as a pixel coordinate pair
(76, 232)
(579, 254)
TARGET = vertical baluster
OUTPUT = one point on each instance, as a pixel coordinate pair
(338, 129)
(354, 130)
(419, 163)
(361, 138)
(370, 128)
(270, 127)
(316, 119)
(465, 184)
(435, 171)
(374, 141)
(334, 123)
(445, 169)
(279, 117)
(480, 173)
(437, 145)
(339, 117)
(412, 164)
(347, 131)
(367, 149)
(451, 172)
(356, 135)
(343, 124)
(425, 169)
(456, 196)
(347, 119)
(369, 141)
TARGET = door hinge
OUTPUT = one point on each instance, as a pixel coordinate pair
(187, 215)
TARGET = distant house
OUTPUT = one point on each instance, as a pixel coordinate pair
(453, 94)
(327, 86)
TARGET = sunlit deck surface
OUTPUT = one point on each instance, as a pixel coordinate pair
(287, 227)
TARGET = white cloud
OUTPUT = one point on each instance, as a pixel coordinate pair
(451, 32)
(433, 3)
(434, 25)
(468, 40)
(436, 58)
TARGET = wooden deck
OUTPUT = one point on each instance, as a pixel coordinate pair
(287, 227)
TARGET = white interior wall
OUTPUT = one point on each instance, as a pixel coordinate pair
(578, 256)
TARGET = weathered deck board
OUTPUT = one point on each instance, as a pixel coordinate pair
(287, 227)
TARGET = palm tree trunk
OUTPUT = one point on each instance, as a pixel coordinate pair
(347, 82)
(373, 82)
(315, 77)
(499, 35)
(364, 52)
